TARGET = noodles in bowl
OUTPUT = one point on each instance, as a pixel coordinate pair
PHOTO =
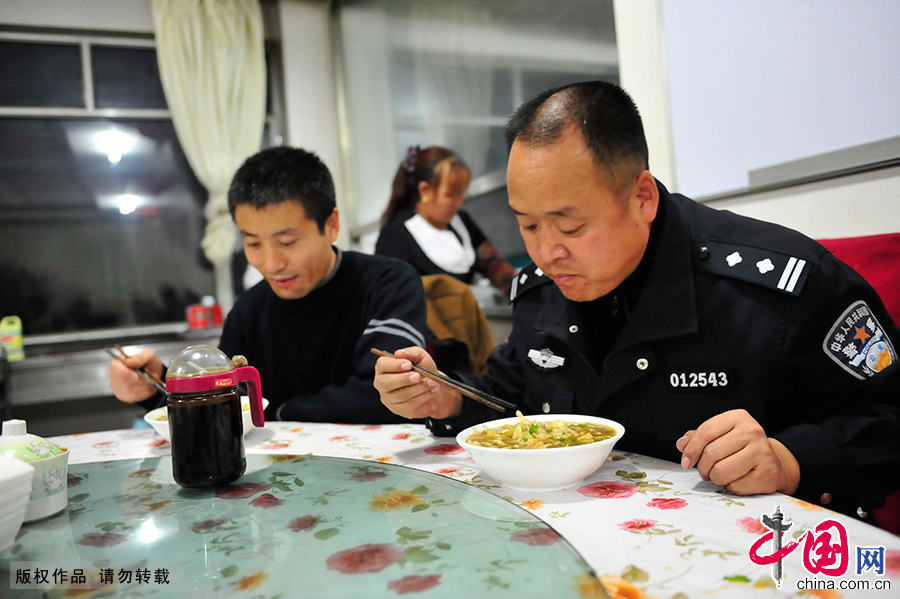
(545, 452)
(531, 434)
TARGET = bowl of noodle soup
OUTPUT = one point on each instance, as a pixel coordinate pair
(543, 452)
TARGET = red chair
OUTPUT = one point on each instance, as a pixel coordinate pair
(877, 259)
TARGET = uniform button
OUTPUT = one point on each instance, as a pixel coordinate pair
(825, 499)
(861, 513)
(703, 252)
(546, 408)
(642, 364)
(573, 328)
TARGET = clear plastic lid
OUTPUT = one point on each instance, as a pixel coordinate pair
(199, 360)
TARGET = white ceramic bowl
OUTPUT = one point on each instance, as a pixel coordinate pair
(16, 478)
(159, 420)
(49, 489)
(541, 469)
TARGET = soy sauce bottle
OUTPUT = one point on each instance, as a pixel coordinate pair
(204, 410)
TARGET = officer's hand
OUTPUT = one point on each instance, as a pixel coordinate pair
(408, 393)
(127, 386)
(732, 450)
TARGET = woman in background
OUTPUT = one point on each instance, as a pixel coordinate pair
(424, 226)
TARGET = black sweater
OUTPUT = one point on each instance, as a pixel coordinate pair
(313, 353)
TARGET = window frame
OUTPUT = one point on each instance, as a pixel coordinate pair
(273, 131)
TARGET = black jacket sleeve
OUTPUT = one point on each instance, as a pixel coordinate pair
(840, 423)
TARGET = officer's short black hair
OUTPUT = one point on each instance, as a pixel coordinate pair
(608, 120)
(283, 174)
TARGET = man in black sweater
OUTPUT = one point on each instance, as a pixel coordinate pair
(309, 325)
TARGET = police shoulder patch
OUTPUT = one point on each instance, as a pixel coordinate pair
(858, 343)
(529, 277)
(776, 270)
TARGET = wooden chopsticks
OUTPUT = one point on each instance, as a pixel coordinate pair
(501, 405)
(145, 376)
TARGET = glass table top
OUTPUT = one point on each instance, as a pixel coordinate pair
(291, 526)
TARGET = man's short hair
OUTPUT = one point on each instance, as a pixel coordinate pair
(281, 174)
(607, 117)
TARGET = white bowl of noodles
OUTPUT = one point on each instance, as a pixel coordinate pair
(544, 452)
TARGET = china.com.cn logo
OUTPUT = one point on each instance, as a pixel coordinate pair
(826, 549)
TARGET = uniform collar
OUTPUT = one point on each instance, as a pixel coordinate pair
(667, 306)
(666, 303)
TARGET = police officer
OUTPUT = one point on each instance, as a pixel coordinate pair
(728, 344)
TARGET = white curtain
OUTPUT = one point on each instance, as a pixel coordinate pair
(212, 65)
(454, 83)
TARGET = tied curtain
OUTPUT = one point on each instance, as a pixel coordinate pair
(212, 65)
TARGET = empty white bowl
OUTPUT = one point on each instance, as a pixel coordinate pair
(548, 469)
(159, 418)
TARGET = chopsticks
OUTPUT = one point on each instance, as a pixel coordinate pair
(501, 405)
(145, 376)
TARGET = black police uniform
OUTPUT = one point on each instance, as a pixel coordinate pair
(723, 312)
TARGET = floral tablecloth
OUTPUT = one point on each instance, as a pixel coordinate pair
(646, 526)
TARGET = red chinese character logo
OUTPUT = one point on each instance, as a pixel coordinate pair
(825, 548)
(820, 555)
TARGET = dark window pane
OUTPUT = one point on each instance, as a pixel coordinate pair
(70, 259)
(40, 75)
(126, 78)
(497, 154)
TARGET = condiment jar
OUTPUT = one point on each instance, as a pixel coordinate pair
(204, 407)
(51, 466)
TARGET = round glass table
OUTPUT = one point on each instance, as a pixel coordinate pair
(293, 525)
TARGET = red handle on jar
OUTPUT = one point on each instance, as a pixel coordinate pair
(250, 375)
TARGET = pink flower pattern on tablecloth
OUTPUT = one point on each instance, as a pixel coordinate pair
(365, 558)
(667, 503)
(367, 476)
(241, 490)
(105, 539)
(445, 449)
(414, 584)
(753, 525)
(637, 524)
(446, 471)
(400, 436)
(267, 500)
(304, 523)
(272, 446)
(892, 563)
(536, 536)
(207, 525)
(609, 490)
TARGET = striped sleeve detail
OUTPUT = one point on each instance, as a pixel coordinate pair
(397, 327)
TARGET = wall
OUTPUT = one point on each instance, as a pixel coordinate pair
(309, 89)
(851, 205)
(752, 84)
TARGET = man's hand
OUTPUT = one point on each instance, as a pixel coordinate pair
(732, 450)
(127, 386)
(408, 393)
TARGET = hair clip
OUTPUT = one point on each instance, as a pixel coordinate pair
(412, 154)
